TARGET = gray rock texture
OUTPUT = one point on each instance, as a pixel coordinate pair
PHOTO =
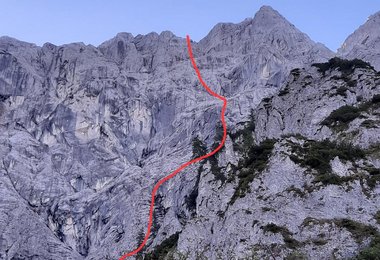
(364, 43)
(87, 131)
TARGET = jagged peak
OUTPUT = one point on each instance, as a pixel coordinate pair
(268, 17)
(266, 9)
(267, 27)
(125, 36)
(167, 34)
(6, 40)
(122, 36)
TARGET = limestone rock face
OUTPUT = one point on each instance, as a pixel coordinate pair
(269, 44)
(86, 132)
(364, 43)
(308, 97)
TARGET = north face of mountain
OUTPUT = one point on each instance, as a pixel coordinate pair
(86, 132)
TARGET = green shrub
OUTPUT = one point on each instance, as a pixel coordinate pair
(295, 256)
(191, 199)
(254, 162)
(318, 154)
(341, 116)
(273, 228)
(373, 180)
(215, 169)
(374, 176)
(345, 66)
(290, 242)
(329, 178)
(372, 252)
(358, 230)
(258, 155)
(199, 148)
(373, 171)
(161, 251)
(245, 135)
(369, 124)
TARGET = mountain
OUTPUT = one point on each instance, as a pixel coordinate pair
(364, 43)
(87, 131)
(263, 50)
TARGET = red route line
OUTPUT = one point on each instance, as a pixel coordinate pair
(183, 166)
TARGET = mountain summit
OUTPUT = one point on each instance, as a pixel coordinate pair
(267, 27)
(265, 48)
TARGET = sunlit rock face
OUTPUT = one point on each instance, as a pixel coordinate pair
(86, 132)
(364, 43)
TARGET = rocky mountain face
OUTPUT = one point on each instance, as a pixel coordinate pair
(364, 43)
(87, 131)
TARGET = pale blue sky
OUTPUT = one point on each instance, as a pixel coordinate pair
(94, 21)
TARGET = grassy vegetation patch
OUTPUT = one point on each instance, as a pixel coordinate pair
(345, 66)
(358, 230)
(162, 250)
(290, 242)
(317, 155)
(372, 252)
(199, 148)
(369, 124)
(215, 169)
(374, 177)
(191, 199)
(341, 117)
(295, 256)
(251, 165)
(243, 138)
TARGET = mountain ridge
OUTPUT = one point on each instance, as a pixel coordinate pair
(87, 131)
